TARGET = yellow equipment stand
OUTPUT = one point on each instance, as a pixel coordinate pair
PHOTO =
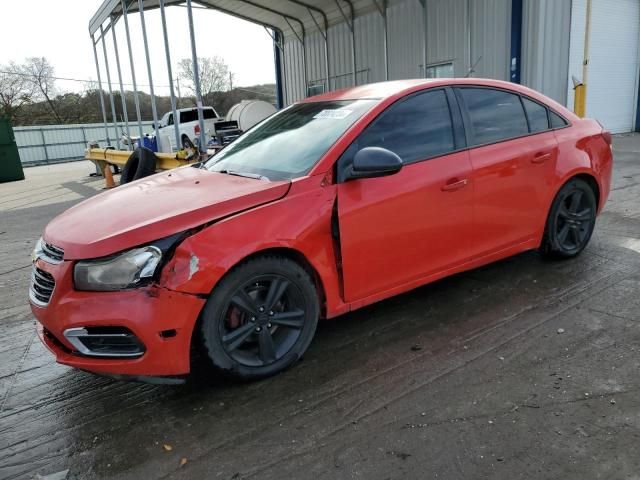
(103, 157)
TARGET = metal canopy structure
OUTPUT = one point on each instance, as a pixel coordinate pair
(290, 20)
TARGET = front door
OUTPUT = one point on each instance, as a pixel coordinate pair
(404, 227)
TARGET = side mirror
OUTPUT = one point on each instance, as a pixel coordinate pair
(373, 162)
(153, 126)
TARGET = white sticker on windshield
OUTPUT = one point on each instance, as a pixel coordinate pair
(337, 114)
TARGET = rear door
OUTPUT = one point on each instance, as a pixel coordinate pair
(513, 154)
(401, 228)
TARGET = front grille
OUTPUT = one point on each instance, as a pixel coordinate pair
(51, 253)
(42, 285)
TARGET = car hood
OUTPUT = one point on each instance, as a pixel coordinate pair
(153, 208)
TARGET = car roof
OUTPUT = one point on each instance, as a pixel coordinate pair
(395, 89)
(383, 90)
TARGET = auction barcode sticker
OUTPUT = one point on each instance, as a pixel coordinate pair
(336, 114)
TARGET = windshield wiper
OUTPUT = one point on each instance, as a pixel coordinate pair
(244, 174)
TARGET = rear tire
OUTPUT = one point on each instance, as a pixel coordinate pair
(570, 222)
(187, 143)
(260, 318)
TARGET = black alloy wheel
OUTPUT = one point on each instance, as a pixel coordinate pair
(571, 220)
(260, 318)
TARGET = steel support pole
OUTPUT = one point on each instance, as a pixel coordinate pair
(102, 107)
(113, 104)
(303, 40)
(154, 109)
(196, 76)
(171, 91)
(325, 35)
(136, 97)
(353, 44)
(122, 96)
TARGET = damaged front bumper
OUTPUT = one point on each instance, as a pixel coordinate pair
(160, 320)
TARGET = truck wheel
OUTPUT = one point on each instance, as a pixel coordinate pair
(187, 143)
(141, 163)
(260, 318)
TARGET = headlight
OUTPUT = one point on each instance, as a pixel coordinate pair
(125, 270)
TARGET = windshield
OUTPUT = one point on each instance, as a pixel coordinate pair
(288, 144)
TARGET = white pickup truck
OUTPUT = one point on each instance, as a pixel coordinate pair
(187, 125)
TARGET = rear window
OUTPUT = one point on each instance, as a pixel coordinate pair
(192, 115)
(557, 121)
(495, 115)
(189, 116)
(209, 113)
(538, 120)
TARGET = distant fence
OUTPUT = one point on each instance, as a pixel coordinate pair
(44, 144)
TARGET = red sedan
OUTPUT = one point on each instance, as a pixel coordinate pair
(334, 203)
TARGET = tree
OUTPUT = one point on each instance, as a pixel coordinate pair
(40, 73)
(215, 75)
(15, 90)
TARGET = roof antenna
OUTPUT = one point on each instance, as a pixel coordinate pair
(473, 67)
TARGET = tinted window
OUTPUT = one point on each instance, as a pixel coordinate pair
(189, 116)
(209, 113)
(495, 115)
(538, 120)
(557, 121)
(416, 128)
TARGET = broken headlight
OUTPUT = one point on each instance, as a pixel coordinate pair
(129, 269)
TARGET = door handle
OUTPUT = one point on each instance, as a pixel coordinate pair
(541, 157)
(454, 184)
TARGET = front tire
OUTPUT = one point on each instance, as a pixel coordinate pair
(260, 318)
(571, 221)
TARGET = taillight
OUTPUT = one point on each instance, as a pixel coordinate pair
(196, 129)
(607, 137)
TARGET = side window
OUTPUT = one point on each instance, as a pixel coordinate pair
(495, 115)
(538, 120)
(170, 119)
(415, 128)
(189, 116)
(556, 120)
(208, 113)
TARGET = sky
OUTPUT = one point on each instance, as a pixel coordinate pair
(58, 30)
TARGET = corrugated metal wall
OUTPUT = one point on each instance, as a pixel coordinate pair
(452, 25)
(467, 33)
(370, 48)
(405, 26)
(55, 143)
(545, 46)
(491, 38)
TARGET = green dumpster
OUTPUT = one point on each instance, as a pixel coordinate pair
(10, 165)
